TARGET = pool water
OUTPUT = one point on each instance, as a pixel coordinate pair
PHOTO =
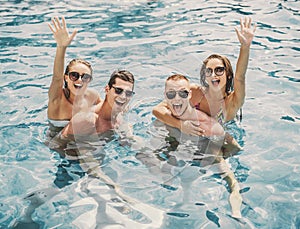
(152, 39)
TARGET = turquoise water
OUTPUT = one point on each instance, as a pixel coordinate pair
(152, 39)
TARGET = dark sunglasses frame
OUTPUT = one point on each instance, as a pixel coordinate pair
(218, 71)
(119, 91)
(74, 76)
(182, 93)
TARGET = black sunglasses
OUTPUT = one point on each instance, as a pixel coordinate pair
(84, 77)
(182, 93)
(119, 91)
(218, 71)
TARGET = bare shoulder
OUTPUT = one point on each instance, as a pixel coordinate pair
(93, 95)
(197, 93)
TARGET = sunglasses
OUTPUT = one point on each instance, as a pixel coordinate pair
(218, 71)
(84, 77)
(119, 91)
(182, 93)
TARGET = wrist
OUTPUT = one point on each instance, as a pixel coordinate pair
(61, 46)
(245, 46)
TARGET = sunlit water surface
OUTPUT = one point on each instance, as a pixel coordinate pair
(152, 39)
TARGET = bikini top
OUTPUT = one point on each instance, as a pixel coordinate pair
(58, 123)
(220, 117)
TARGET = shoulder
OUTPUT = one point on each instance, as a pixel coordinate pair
(197, 93)
(93, 95)
(197, 89)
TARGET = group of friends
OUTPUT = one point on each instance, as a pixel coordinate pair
(198, 110)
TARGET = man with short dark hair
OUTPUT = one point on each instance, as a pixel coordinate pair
(106, 115)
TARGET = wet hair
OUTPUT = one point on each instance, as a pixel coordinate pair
(176, 77)
(228, 70)
(76, 61)
(121, 74)
(71, 63)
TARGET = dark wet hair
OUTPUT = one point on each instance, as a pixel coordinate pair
(71, 63)
(121, 74)
(228, 70)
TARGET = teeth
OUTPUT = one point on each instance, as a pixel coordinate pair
(215, 81)
(120, 103)
(78, 85)
(177, 106)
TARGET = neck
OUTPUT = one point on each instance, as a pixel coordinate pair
(216, 96)
(106, 111)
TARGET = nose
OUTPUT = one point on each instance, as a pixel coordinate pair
(123, 95)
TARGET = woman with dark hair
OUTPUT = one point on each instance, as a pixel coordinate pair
(68, 93)
(221, 94)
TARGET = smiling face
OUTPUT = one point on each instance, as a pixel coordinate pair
(119, 95)
(181, 89)
(78, 86)
(216, 74)
(217, 81)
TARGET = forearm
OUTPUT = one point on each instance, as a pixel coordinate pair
(242, 63)
(58, 67)
(163, 114)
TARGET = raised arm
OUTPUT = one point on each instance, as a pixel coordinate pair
(163, 114)
(63, 40)
(245, 36)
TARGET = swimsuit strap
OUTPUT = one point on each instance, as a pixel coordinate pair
(197, 106)
(220, 117)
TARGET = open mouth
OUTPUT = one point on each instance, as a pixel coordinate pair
(215, 82)
(119, 103)
(177, 107)
(78, 86)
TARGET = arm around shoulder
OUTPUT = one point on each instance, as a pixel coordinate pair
(163, 114)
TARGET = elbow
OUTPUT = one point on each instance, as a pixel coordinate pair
(155, 111)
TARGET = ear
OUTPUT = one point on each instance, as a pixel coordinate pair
(190, 95)
(106, 88)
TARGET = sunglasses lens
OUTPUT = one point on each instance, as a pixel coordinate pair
(219, 71)
(171, 94)
(129, 93)
(208, 72)
(118, 90)
(86, 77)
(74, 76)
(183, 94)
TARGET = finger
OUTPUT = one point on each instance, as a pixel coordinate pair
(249, 22)
(51, 28)
(195, 124)
(63, 22)
(237, 32)
(254, 28)
(246, 22)
(54, 23)
(242, 24)
(73, 34)
(57, 22)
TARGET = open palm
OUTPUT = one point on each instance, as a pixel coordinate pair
(246, 34)
(60, 32)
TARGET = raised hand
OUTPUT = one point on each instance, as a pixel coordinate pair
(60, 32)
(246, 34)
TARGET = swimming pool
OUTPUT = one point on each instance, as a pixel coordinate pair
(152, 39)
